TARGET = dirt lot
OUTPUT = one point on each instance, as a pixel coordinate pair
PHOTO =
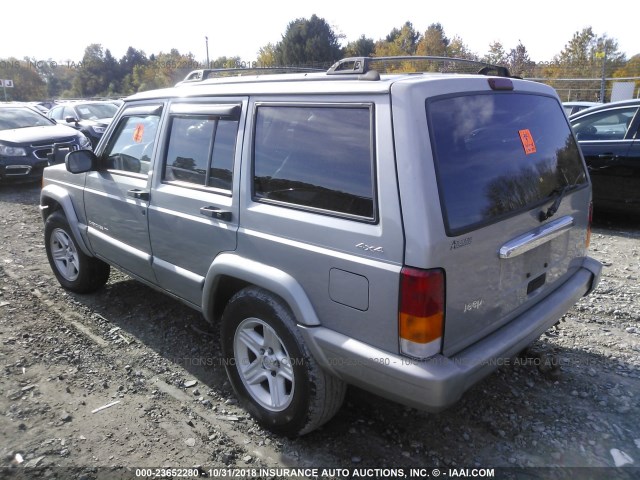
(64, 356)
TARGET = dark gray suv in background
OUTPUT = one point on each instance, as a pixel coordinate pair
(405, 233)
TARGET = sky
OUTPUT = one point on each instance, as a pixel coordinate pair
(47, 30)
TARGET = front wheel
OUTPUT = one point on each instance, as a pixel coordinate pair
(271, 369)
(75, 270)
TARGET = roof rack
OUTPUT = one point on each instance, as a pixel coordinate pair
(362, 65)
(206, 73)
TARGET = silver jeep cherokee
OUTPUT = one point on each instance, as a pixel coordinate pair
(404, 233)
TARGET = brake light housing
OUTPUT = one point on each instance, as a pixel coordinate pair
(421, 312)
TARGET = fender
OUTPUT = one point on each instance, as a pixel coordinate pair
(261, 275)
(62, 198)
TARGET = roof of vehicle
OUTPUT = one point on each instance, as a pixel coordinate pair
(580, 103)
(81, 102)
(348, 76)
(22, 105)
(15, 104)
(606, 106)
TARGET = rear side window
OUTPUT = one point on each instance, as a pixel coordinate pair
(315, 157)
(496, 155)
(201, 151)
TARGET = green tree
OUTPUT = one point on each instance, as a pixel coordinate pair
(269, 56)
(583, 58)
(434, 42)
(112, 73)
(60, 85)
(92, 77)
(27, 83)
(519, 62)
(362, 47)
(309, 42)
(496, 55)
(126, 66)
(458, 49)
(161, 71)
(403, 41)
(631, 69)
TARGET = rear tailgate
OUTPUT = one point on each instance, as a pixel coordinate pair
(512, 201)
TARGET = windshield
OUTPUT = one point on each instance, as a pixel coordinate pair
(94, 111)
(21, 117)
(499, 154)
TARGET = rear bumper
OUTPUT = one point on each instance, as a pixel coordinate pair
(440, 381)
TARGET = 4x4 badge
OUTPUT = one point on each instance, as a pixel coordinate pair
(370, 248)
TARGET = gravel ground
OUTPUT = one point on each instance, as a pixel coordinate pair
(96, 386)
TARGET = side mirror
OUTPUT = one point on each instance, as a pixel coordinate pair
(81, 161)
(71, 119)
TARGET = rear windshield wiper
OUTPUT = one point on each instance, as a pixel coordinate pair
(558, 194)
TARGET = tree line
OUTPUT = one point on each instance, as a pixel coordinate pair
(313, 43)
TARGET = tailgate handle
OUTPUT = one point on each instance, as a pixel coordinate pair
(535, 238)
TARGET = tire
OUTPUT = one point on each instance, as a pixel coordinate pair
(270, 368)
(74, 270)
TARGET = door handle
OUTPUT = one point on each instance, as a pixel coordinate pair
(608, 155)
(215, 212)
(138, 194)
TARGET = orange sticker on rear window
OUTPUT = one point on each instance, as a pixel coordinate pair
(138, 133)
(527, 141)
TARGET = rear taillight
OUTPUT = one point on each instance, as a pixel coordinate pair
(421, 312)
(588, 240)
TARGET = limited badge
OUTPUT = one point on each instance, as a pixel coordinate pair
(527, 141)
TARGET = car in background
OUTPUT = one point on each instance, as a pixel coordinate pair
(29, 142)
(609, 138)
(40, 106)
(92, 117)
(571, 108)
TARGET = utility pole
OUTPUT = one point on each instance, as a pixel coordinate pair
(603, 81)
(206, 41)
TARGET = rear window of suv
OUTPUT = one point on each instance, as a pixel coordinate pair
(498, 154)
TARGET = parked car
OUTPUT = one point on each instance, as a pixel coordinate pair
(609, 136)
(405, 233)
(571, 108)
(91, 118)
(29, 141)
(40, 106)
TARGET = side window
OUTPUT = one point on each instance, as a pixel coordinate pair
(130, 148)
(201, 151)
(56, 113)
(69, 112)
(606, 125)
(316, 157)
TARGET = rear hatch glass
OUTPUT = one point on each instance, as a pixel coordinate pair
(499, 154)
(502, 159)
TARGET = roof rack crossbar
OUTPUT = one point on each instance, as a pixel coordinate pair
(361, 65)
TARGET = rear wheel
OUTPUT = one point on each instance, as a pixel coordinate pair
(75, 270)
(271, 369)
